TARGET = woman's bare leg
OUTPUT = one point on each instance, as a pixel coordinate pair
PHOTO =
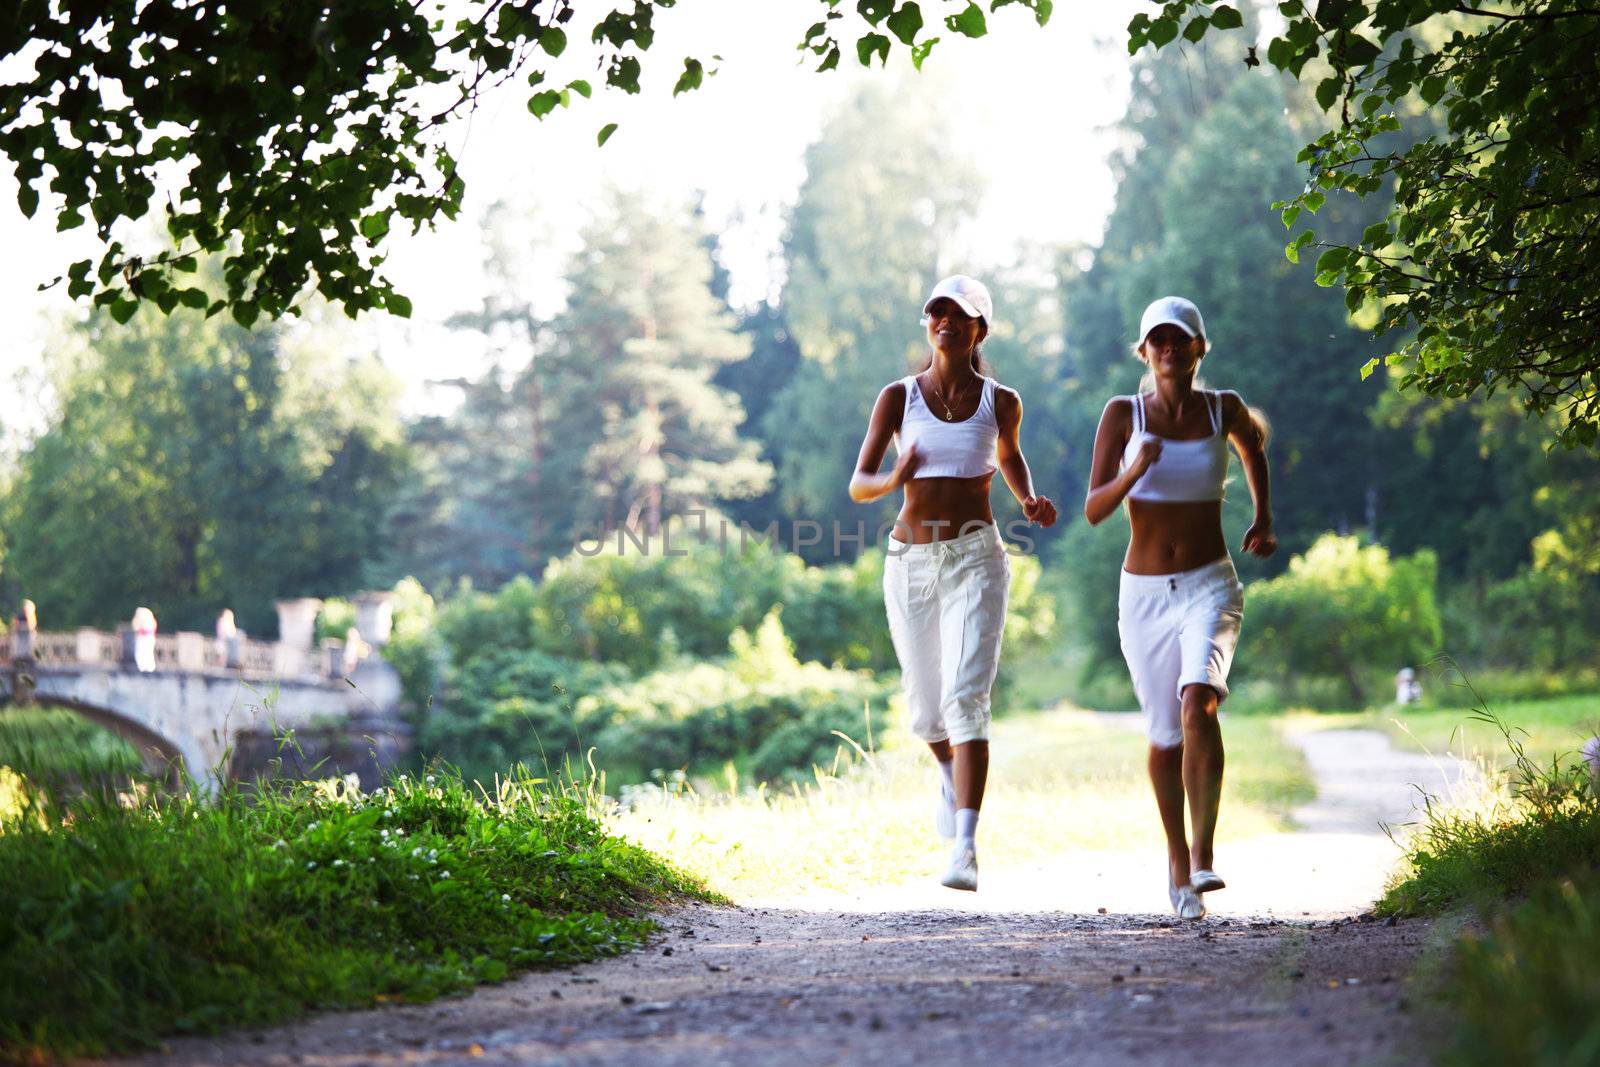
(1202, 768)
(1166, 776)
(971, 769)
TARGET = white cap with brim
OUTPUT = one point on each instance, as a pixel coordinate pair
(1174, 311)
(969, 294)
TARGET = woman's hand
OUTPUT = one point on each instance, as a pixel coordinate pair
(905, 467)
(1039, 509)
(1259, 540)
(1149, 452)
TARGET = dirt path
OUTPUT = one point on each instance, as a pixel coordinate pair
(1029, 969)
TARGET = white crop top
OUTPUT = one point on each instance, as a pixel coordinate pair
(962, 449)
(1187, 470)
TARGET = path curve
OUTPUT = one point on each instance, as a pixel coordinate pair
(1028, 970)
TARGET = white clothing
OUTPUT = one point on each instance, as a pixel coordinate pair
(1178, 630)
(946, 602)
(962, 449)
(1187, 470)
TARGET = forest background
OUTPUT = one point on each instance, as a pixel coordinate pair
(190, 464)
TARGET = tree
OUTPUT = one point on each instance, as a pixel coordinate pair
(304, 131)
(192, 466)
(1487, 262)
(635, 430)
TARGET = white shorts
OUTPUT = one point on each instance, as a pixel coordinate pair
(1178, 630)
(947, 611)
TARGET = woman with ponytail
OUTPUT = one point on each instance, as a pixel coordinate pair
(1165, 451)
(946, 575)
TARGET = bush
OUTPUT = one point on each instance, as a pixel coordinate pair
(1343, 611)
(761, 701)
(1544, 622)
(124, 924)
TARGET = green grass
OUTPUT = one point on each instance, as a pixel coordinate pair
(125, 921)
(1525, 856)
(1059, 780)
(1548, 728)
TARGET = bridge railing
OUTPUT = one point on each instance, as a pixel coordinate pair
(181, 651)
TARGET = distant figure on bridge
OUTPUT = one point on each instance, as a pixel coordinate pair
(228, 638)
(144, 639)
(355, 649)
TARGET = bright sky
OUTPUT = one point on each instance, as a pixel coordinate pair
(1039, 99)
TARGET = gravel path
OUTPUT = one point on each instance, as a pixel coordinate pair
(1073, 959)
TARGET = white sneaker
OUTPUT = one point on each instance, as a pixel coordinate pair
(944, 815)
(1206, 880)
(962, 873)
(1186, 903)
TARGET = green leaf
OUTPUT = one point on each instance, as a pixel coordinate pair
(919, 52)
(1226, 18)
(1163, 31)
(1368, 367)
(1356, 51)
(1313, 201)
(1433, 88)
(245, 313)
(373, 227)
(581, 87)
(1290, 213)
(1196, 29)
(872, 44)
(875, 11)
(1292, 250)
(1377, 235)
(906, 23)
(398, 305)
(605, 133)
(27, 199)
(192, 298)
(553, 40)
(829, 61)
(543, 103)
(122, 310)
(1332, 261)
(970, 22)
(1328, 91)
(691, 78)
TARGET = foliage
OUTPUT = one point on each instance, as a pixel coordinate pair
(1525, 991)
(127, 923)
(304, 133)
(1342, 608)
(192, 465)
(1485, 263)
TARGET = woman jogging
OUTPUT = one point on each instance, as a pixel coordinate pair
(1165, 450)
(946, 574)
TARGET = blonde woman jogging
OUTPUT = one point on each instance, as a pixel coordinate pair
(946, 573)
(1165, 451)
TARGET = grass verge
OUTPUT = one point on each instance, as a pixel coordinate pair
(124, 921)
(1526, 857)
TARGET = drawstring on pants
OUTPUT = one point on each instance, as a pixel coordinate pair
(943, 552)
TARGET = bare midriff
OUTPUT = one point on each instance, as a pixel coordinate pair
(1173, 536)
(936, 509)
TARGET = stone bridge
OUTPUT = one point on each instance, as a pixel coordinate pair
(214, 708)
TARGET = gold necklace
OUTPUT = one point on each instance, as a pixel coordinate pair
(949, 414)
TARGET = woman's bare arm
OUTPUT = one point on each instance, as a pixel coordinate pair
(1013, 464)
(1248, 434)
(1108, 486)
(866, 484)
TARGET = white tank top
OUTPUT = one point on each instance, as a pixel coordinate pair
(962, 449)
(1187, 470)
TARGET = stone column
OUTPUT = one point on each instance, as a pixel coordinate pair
(191, 650)
(297, 621)
(88, 645)
(333, 657)
(375, 617)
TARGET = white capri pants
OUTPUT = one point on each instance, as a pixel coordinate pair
(946, 603)
(1178, 630)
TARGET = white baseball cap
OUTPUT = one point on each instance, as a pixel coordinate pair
(1176, 311)
(970, 295)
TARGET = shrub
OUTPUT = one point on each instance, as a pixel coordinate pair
(123, 924)
(1344, 611)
